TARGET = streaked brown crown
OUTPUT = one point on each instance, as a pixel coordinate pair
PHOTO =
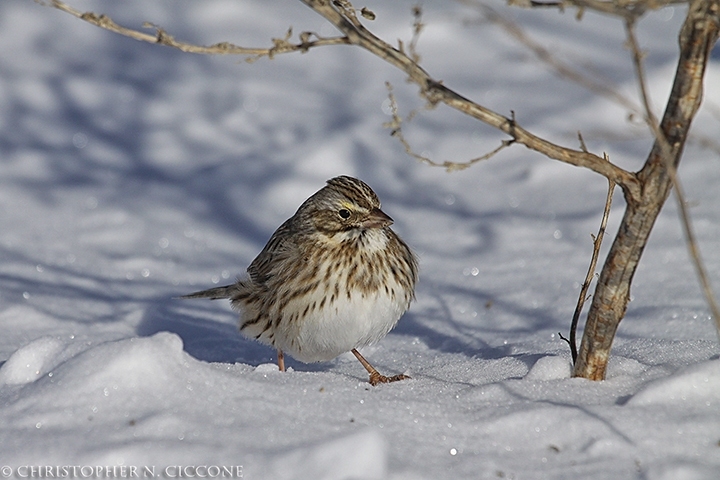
(345, 203)
(355, 190)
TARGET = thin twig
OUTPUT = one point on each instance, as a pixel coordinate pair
(583, 147)
(597, 243)
(596, 85)
(280, 45)
(395, 126)
(638, 55)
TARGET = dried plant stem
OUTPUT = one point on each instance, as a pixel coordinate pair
(597, 243)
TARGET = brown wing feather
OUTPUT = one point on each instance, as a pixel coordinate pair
(281, 245)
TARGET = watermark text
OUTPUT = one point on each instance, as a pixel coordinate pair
(122, 472)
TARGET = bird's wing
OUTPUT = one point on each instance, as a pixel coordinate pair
(278, 249)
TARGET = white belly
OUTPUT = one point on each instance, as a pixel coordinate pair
(337, 328)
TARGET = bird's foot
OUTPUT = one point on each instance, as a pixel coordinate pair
(376, 378)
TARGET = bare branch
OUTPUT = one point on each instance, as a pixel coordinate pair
(597, 243)
(435, 92)
(395, 126)
(341, 14)
(698, 35)
(347, 8)
(282, 45)
(666, 152)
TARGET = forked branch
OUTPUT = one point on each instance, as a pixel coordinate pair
(612, 294)
(666, 153)
(395, 126)
(342, 15)
(435, 92)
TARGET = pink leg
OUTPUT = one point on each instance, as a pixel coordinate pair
(375, 376)
(281, 360)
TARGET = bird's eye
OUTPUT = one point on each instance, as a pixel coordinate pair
(344, 213)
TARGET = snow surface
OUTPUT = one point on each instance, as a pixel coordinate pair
(132, 173)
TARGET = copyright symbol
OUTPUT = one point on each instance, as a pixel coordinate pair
(6, 471)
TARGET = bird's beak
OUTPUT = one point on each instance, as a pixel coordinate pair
(377, 219)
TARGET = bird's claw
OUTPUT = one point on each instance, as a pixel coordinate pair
(376, 378)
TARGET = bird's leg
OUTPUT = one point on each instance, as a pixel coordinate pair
(375, 376)
(281, 360)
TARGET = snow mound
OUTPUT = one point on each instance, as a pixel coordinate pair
(267, 368)
(696, 384)
(549, 368)
(358, 456)
(135, 365)
(681, 471)
(31, 361)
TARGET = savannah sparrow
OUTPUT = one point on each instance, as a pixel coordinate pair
(333, 278)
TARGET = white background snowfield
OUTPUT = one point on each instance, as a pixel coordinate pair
(133, 173)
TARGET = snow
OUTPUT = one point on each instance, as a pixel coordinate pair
(131, 174)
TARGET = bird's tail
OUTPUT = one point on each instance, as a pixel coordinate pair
(213, 293)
